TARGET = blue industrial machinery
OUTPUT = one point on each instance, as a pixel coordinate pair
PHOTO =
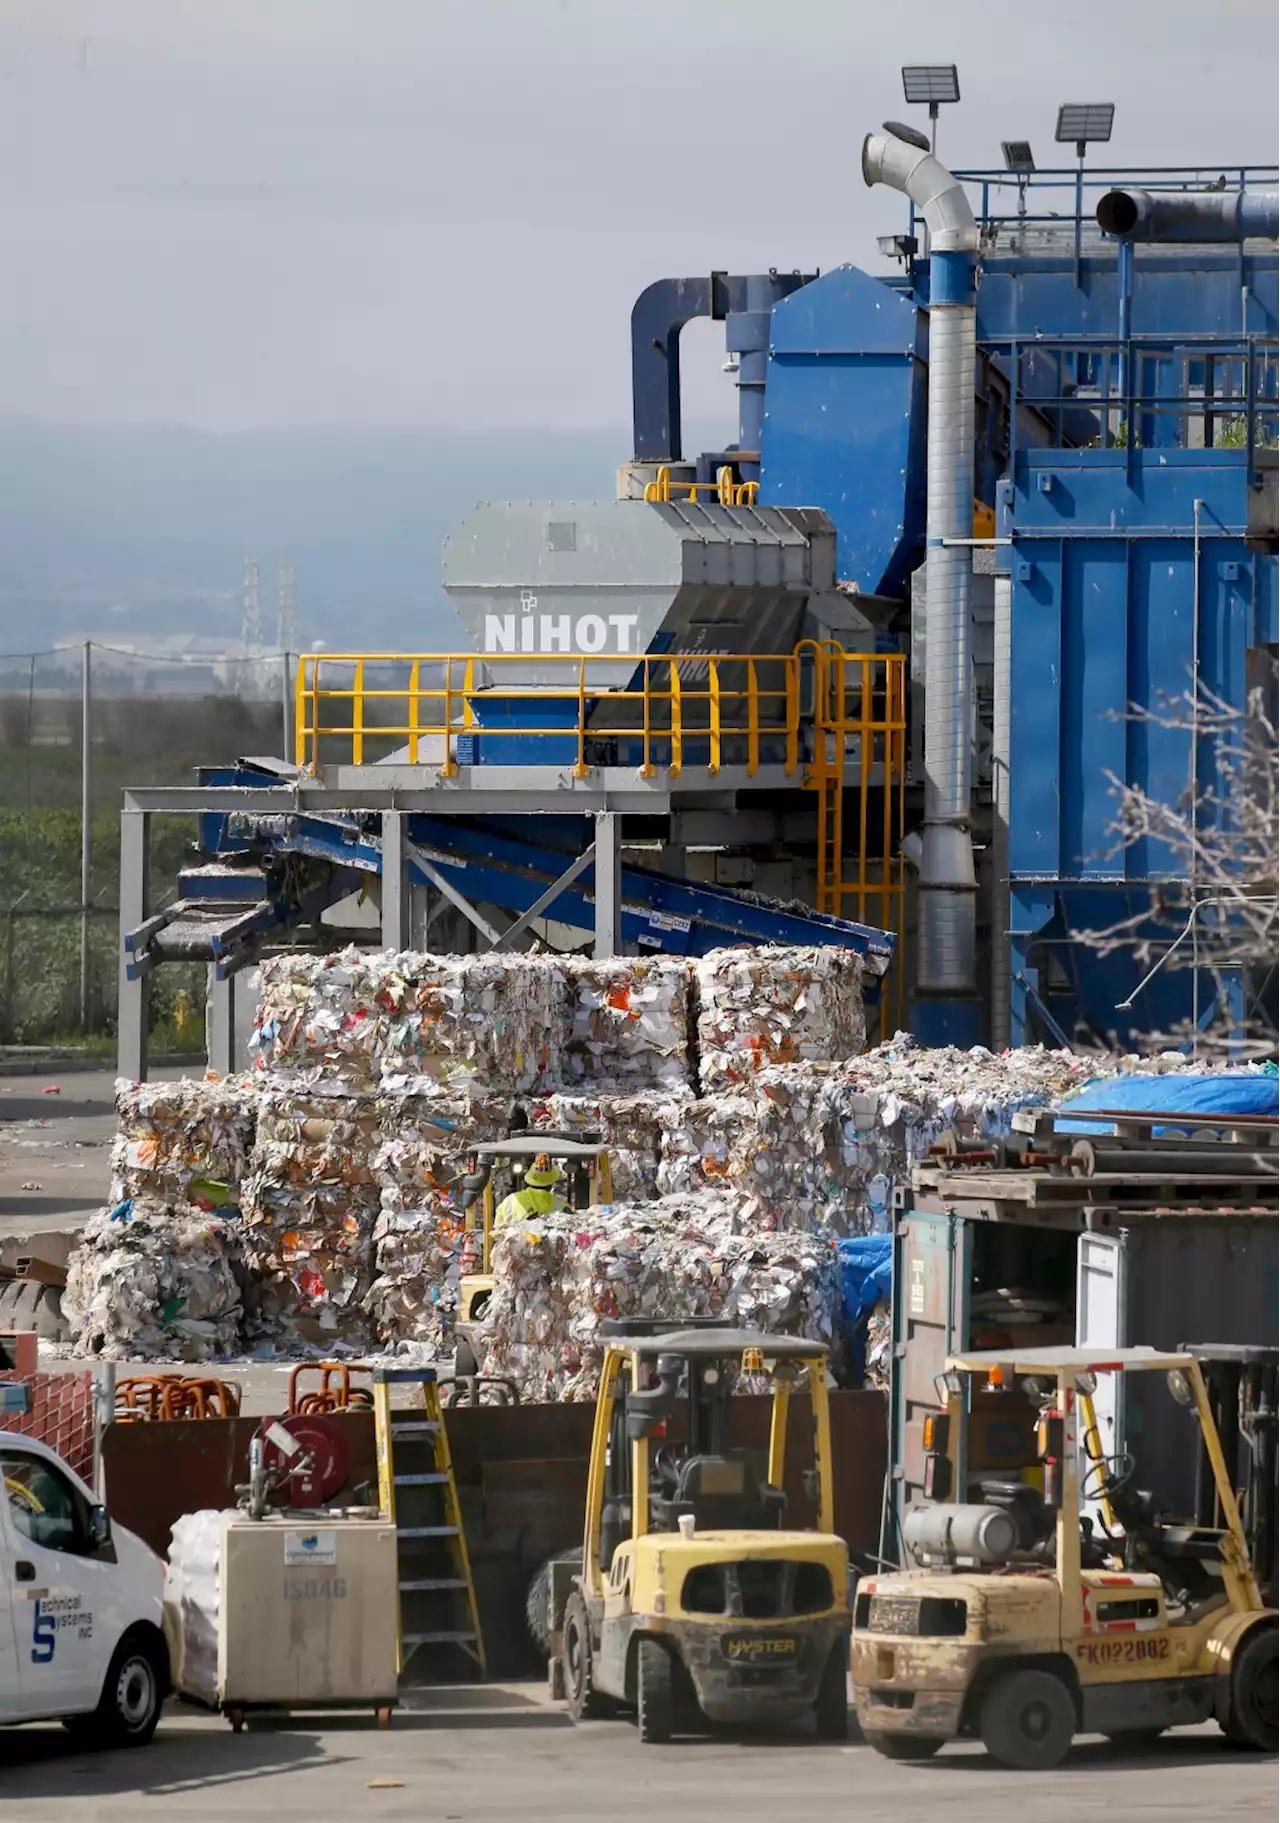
(1039, 459)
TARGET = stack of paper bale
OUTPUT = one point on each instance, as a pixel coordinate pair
(706, 1144)
(420, 1155)
(183, 1142)
(629, 1126)
(628, 1024)
(153, 1281)
(679, 1257)
(310, 1203)
(758, 1007)
(400, 1020)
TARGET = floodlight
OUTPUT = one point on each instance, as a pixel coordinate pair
(930, 83)
(1081, 123)
(1017, 155)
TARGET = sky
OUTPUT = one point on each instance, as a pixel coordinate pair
(283, 214)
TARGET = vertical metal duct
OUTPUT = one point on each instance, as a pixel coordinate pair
(1002, 681)
(946, 1010)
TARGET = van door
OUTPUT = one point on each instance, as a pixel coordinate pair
(1100, 1307)
(59, 1585)
(10, 1695)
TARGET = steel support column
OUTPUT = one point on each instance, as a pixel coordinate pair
(395, 885)
(220, 1023)
(134, 1005)
(608, 885)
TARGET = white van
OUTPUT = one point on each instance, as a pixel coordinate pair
(81, 1606)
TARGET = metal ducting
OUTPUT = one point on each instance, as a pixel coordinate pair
(1228, 215)
(946, 1003)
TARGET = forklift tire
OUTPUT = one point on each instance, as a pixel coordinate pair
(1251, 1720)
(583, 1703)
(1028, 1720)
(831, 1709)
(537, 1601)
(655, 1692)
(905, 1746)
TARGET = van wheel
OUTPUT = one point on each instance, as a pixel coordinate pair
(1252, 1718)
(655, 1697)
(132, 1697)
(832, 1706)
(1028, 1720)
(905, 1746)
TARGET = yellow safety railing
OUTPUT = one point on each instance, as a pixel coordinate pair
(835, 721)
(724, 489)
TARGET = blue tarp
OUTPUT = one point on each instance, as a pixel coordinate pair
(1207, 1097)
(866, 1279)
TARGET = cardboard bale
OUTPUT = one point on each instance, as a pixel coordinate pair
(757, 1007)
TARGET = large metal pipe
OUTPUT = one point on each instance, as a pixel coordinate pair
(1001, 738)
(1219, 215)
(946, 1004)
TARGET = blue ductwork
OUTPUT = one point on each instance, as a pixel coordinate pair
(1226, 215)
(661, 311)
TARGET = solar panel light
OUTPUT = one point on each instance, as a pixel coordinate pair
(1017, 155)
(1081, 123)
(930, 84)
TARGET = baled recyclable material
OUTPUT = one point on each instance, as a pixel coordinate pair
(628, 1023)
(182, 1142)
(405, 1021)
(757, 1007)
(628, 1126)
(681, 1256)
(151, 1281)
(706, 1144)
(417, 1259)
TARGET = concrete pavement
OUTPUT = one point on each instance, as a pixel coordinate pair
(502, 1754)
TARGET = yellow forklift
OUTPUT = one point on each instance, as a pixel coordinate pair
(587, 1181)
(1028, 1619)
(690, 1602)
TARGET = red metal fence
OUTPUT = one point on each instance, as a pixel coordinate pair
(61, 1415)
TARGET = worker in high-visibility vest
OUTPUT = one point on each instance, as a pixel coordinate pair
(537, 1196)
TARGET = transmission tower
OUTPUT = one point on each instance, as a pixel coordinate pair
(287, 624)
(251, 629)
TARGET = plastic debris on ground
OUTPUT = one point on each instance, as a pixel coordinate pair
(369, 1019)
(628, 1023)
(757, 1007)
(150, 1281)
(679, 1257)
(185, 1141)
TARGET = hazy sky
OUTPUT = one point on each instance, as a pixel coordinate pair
(236, 213)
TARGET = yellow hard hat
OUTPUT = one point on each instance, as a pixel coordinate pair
(542, 1174)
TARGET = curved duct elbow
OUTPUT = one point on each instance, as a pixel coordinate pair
(1236, 215)
(937, 195)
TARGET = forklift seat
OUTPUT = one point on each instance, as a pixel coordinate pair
(721, 1493)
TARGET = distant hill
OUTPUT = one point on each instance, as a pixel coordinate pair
(147, 529)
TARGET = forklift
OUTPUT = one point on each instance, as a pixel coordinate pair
(1029, 1620)
(587, 1181)
(690, 1603)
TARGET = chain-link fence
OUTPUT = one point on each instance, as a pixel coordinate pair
(151, 720)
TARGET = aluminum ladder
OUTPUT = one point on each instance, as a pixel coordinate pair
(436, 1611)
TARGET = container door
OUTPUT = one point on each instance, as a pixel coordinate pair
(1100, 1305)
(931, 1271)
